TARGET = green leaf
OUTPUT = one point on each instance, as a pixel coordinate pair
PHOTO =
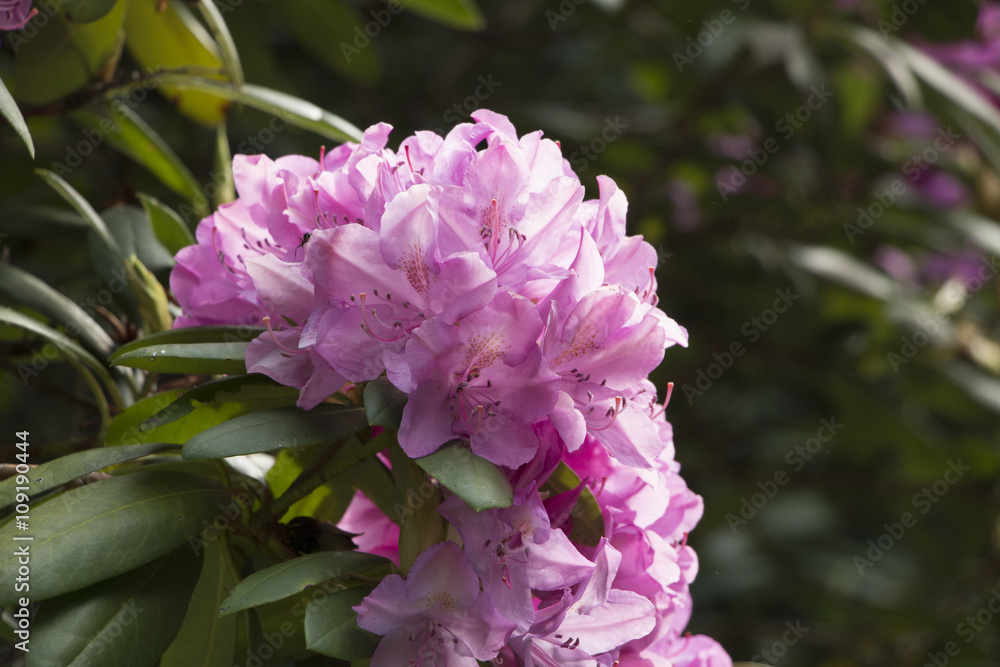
(153, 303)
(103, 529)
(191, 335)
(127, 428)
(224, 40)
(270, 429)
(85, 210)
(191, 358)
(472, 478)
(30, 291)
(124, 129)
(123, 622)
(171, 39)
(10, 111)
(52, 474)
(294, 576)
(461, 14)
(167, 225)
(204, 639)
(288, 108)
(890, 60)
(209, 392)
(86, 11)
(384, 403)
(66, 345)
(588, 522)
(420, 524)
(332, 626)
(63, 57)
(133, 234)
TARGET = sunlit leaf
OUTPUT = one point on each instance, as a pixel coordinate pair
(472, 478)
(288, 108)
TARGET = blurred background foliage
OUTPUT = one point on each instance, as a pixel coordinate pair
(752, 139)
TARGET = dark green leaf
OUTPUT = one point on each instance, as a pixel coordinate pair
(204, 639)
(130, 228)
(64, 56)
(123, 622)
(294, 576)
(384, 403)
(64, 344)
(9, 110)
(270, 429)
(209, 392)
(167, 225)
(30, 291)
(588, 522)
(54, 473)
(462, 14)
(86, 11)
(420, 524)
(472, 478)
(109, 527)
(85, 210)
(124, 129)
(188, 335)
(332, 626)
(193, 358)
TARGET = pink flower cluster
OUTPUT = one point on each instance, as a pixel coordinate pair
(517, 317)
(15, 14)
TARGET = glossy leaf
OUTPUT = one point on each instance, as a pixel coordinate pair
(10, 111)
(384, 403)
(194, 358)
(294, 576)
(588, 522)
(28, 290)
(167, 225)
(144, 515)
(175, 39)
(52, 474)
(190, 335)
(123, 622)
(462, 14)
(288, 108)
(472, 478)
(332, 626)
(270, 429)
(204, 639)
(124, 129)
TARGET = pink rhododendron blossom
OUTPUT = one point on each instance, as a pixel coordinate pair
(520, 320)
(436, 616)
